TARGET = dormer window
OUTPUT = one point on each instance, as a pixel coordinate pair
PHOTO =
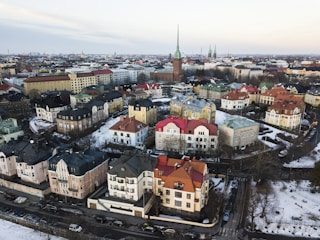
(178, 185)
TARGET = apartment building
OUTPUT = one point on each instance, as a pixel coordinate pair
(152, 90)
(286, 112)
(48, 110)
(182, 185)
(269, 96)
(238, 132)
(9, 130)
(144, 110)
(312, 96)
(192, 107)
(74, 121)
(77, 174)
(103, 76)
(185, 136)
(129, 131)
(47, 83)
(79, 81)
(235, 100)
(253, 93)
(213, 91)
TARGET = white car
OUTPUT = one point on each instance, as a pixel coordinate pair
(283, 153)
(75, 227)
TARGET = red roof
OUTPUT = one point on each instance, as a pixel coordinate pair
(5, 87)
(235, 95)
(102, 71)
(147, 86)
(186, 126)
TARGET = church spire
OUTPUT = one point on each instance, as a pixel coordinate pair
(177, 54)
(215, 52)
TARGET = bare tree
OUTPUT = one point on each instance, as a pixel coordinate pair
(253, 204)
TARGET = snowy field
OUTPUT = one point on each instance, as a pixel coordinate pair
(293, 210)
(12, 231)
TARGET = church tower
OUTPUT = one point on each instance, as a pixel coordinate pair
(177, 62)
(215, 52)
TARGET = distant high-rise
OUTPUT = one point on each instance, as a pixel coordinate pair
(210, 52)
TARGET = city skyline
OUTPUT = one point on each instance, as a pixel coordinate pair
(146, 27)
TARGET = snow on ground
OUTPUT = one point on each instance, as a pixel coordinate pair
(293, 210)
(306, 161)
(14, 231)
(102, 135)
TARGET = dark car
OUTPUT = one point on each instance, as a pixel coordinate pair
(100, 218)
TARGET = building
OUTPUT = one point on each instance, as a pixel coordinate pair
(235, 100)
(74, 121)
(129, 131)
(79, 99)
(176, 74)
(119, 76)
(192, 107)
(114, 100)
(182, 185)
(79, 81)
(186, 136)
(77, 174)
(32, 161)
(181, 88)
(130, 186)
(213, 91)
(16, 104)
(9, 130)
(253, 93)
(312, 97)
(238, 132)
(152, 90)
(268, 97)
(103, 76)
(26, 159)
(144, 110)
(48, 110)
(286, 112)
(99, 110)
(41, 84)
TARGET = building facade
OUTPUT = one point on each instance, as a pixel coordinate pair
(235, 100)
(144, 110)
(182, 185)
(186, 136)
(129, 131)
(77, 174)
(238, 132)
(192, 108)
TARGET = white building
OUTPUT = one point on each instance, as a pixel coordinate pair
(129, 131)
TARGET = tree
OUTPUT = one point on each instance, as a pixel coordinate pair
(254, 199)
(34, 94)
(141, 78)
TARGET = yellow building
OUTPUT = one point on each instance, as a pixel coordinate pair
(144, 111)
(114, 100)
(82, 80)
(312, 97)
(47, 83)
(192, 108)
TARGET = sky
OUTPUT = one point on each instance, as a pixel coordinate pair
(150, 27)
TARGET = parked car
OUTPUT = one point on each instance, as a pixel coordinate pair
(226, 215)
(169, 232)
(283, 153)
(100, 218)
(118, 223)
(148, 228)
(75, 227)
(189, 235)
(234, 184)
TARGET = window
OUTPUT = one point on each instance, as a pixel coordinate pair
(159, 182)
(167, 201)
(167, 192)
(177, 203)
(178, 194)
(188, 205)
(188, 196)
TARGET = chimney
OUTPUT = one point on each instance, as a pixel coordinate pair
(189, 170)
(121, 118)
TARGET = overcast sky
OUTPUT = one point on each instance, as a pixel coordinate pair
(150, 27)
